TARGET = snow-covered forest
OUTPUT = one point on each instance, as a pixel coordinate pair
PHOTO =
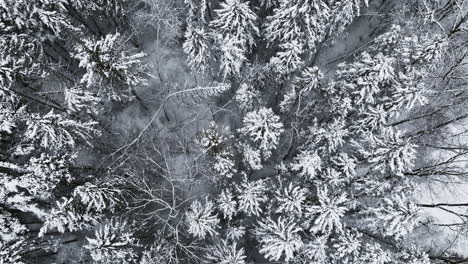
(234, 131)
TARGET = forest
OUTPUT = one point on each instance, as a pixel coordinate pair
(233, 131)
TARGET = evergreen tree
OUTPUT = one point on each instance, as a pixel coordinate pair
(236, 21)
(112, 244)
(200, 219)
(278, 238)
(196, 47)
(106, 65)
(225, 253)
(234, 30)
(264, 128)
(299, 131)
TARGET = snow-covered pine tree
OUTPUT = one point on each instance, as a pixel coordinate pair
(251, 157)
(113, 243)
(375, 254)
(227, 205)
(343, 14)
(16, 59)
(297, 27)
(196, 47)
(234, 29)
(226, 253)
(108, 66)
(12, 252)
(201, 219)
(268, 3)
(389, 150)
(217, 147)
(111, 8)
(264, 128)
(78, 99)
(308, 163)
(26, 187)
(399, 215)
(97, 198)
(289, 58)
(329, 213)
(159, 252)
(302, 21)
(35, 17)
(67, 216)
(347, 248)
(247, 97)
(54, 131)
(232, 56)
(251, 195)
(291, 199)
(278, 238)
(236, 21)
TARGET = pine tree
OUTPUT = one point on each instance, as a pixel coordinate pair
(332, 135)
(278, 238)
(97, 198)
(234, 30)
(314, 251)
(389, 151)
(15, 59)
(291, 199)
(251, 196)
(108, 7)
(34, 17)
(216, 146)
(24, 187)
(375, 254)
(347, 247)
(298, 20)
(268, 3)
(368, 76)
(329, 212)
(196, 47)
(232, 56)
(77, 99)
(308, 163)
(161, 251)
(235, 233)
(414, 255)
(225, 253)
(201, 220)
(224, 164)
(227, 205)
(344, 12)
(235, 21)
(10, 228)
(297, 26)
(11, 252)
(53, 131)
(108, 66)
(264, 128)
(289, 58)
(113, 243)
(68, 216)
(310, 79)
(247, 97)
(346, 164)
(251, 157)
(399, 215)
